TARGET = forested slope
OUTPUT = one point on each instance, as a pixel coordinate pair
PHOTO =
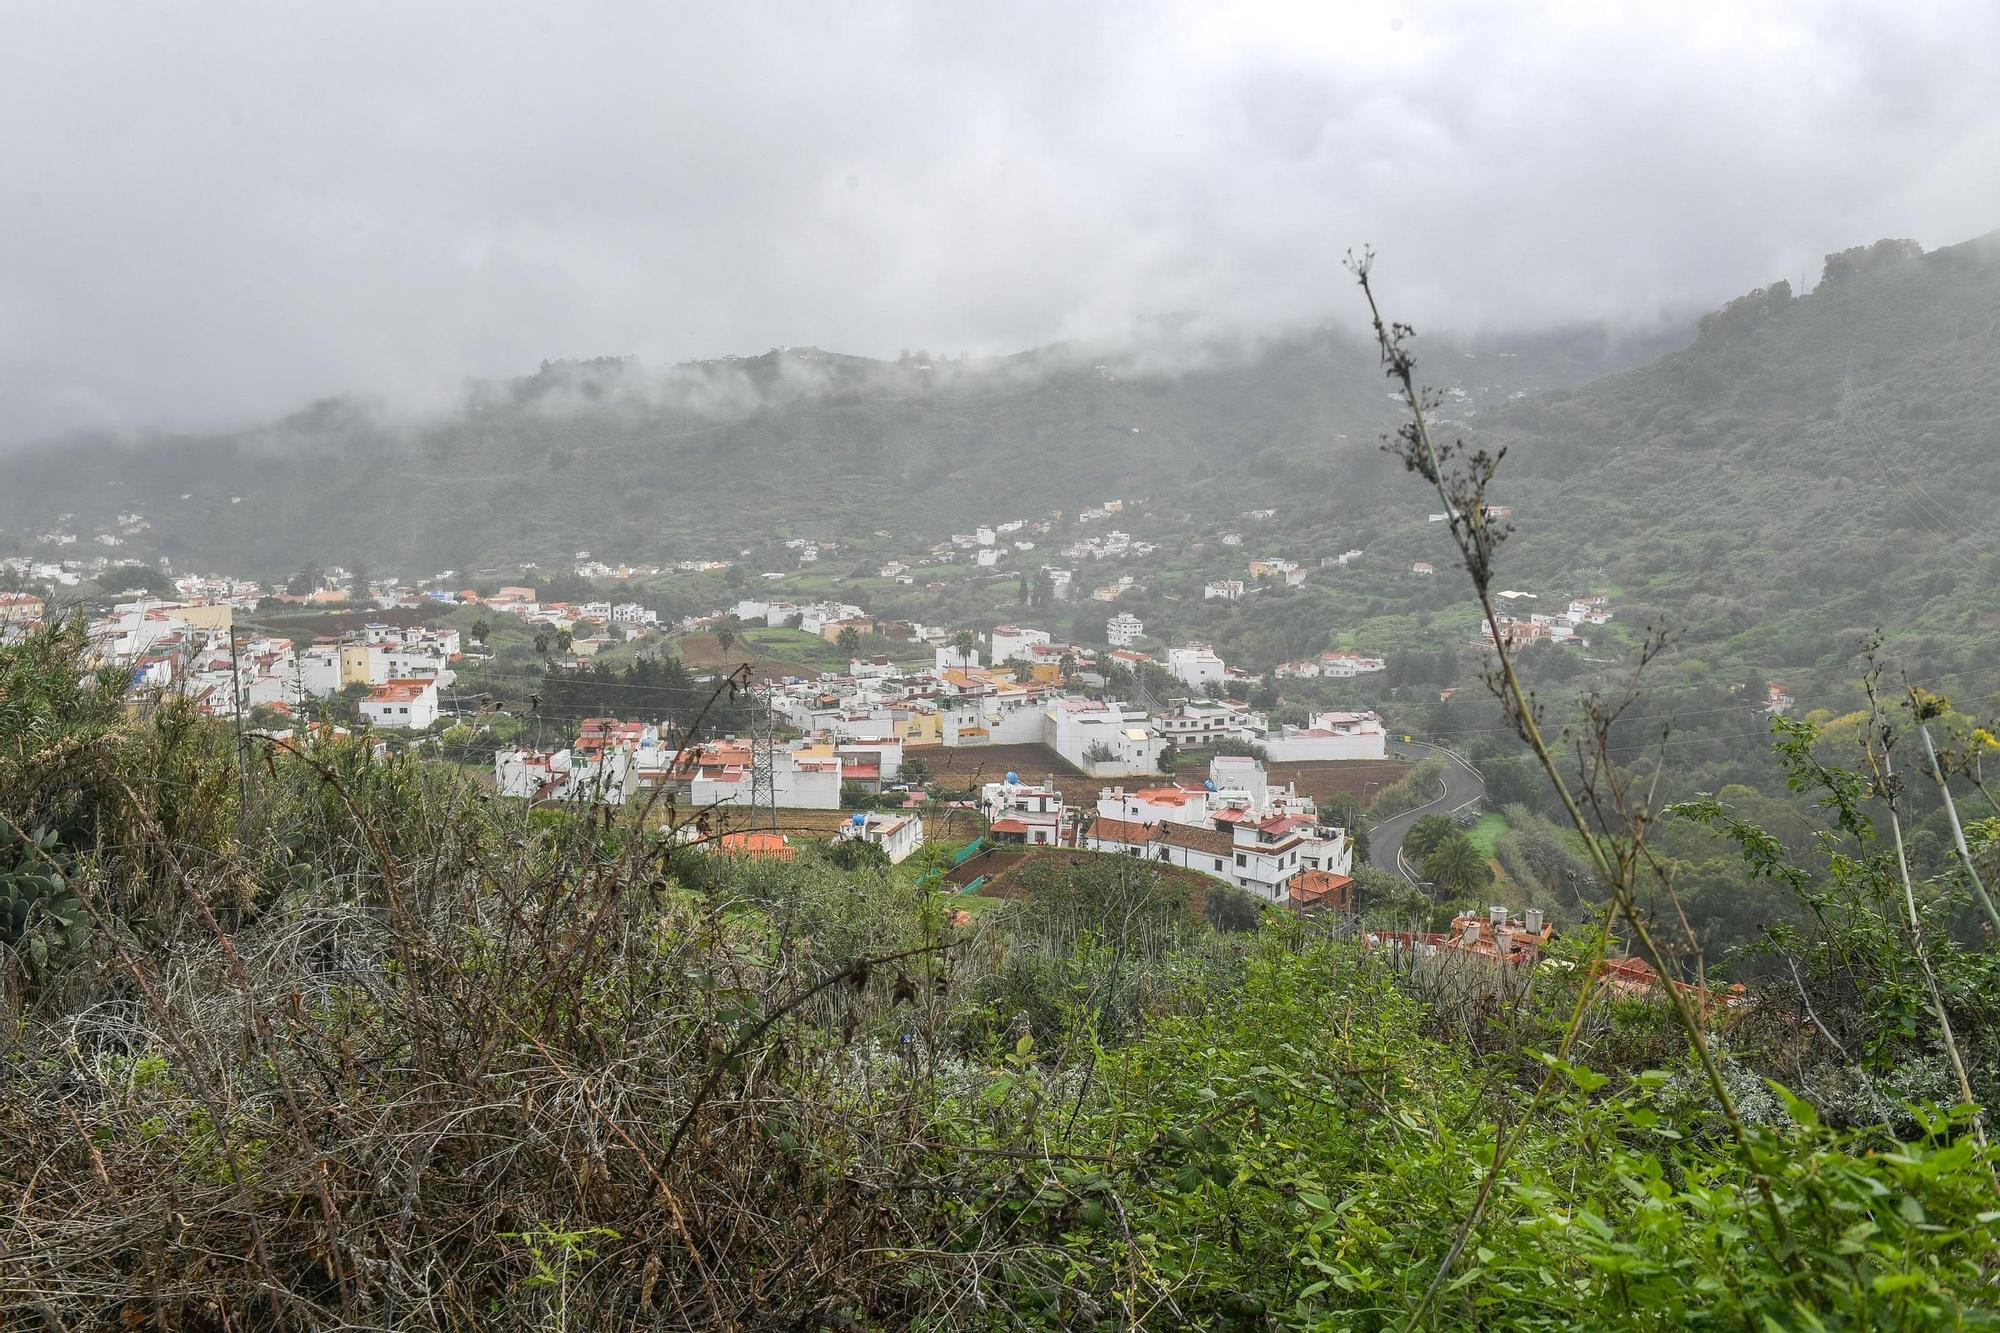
(647, 463)
(1809, 468)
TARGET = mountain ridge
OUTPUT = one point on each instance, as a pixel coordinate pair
(692, 457)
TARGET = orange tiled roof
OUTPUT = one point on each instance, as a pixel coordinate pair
(1211, 842)
(1106, 829)
(1311, 888)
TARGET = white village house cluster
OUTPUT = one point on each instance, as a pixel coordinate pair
(833, 734)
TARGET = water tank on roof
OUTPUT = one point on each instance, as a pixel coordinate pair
(861, 819)
(1013, 779)
(1209, 785)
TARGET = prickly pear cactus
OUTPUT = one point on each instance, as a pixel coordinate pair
(39, 914)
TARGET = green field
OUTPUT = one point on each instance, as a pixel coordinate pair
(1485, 835)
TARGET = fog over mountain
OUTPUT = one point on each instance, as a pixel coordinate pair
(217, 213)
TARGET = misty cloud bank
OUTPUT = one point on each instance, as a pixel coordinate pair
(219, 213)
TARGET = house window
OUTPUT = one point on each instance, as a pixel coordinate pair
(1240, 860)
(1218, 863)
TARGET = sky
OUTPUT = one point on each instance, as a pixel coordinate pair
(214, 212)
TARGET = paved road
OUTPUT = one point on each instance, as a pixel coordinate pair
(1462, 787)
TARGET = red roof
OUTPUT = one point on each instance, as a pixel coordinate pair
(1281, 824)
(1105, 829)
(1311, 888)
(1194, 838)
(1009, 826)
(774, 845)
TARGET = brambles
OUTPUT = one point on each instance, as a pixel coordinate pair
(391, 1053)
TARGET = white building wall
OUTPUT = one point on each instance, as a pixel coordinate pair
(796, 789)
(1195, 666)
(1294, 747)
(1010, 643)
(521, 773)
(413, 714)
(1134, 746)
(319, 669)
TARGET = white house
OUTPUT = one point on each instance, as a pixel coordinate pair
(564, 775)
(1228, 590)
(1103, 738)
(1342, 665)
(1174, 803)
(1262, 855)
(896, 834)
(1329, 735)
(530, 774)
(1195, 666)
(1123, 630)
(949, 657)
(1010, 642)
(719, 774)
(319, 670)
(1007, 717)
(1023, 814)
(1204, 721)
(405, 704)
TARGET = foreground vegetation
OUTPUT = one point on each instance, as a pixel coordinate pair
(375, 1050)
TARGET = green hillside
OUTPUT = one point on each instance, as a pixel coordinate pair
(1809, 466)
(622, 460)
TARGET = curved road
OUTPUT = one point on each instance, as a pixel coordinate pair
(1462, 787)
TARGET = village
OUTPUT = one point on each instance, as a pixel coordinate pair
(868, 728)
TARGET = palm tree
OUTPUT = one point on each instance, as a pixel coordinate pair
(725, 639)
(1425, 836)
(542, 643)
(963, 643)
(1456, 866)
(849, 640)
(563, 640)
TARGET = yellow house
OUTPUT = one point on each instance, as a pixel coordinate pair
(19, 606)
(919, 727)
(354, 668)
(216, 615)
(830, 631)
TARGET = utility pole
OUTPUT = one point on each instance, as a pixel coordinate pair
(236, 706)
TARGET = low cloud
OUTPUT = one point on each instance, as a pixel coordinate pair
(218, 213)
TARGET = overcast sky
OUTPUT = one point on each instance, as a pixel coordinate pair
(216, 211)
